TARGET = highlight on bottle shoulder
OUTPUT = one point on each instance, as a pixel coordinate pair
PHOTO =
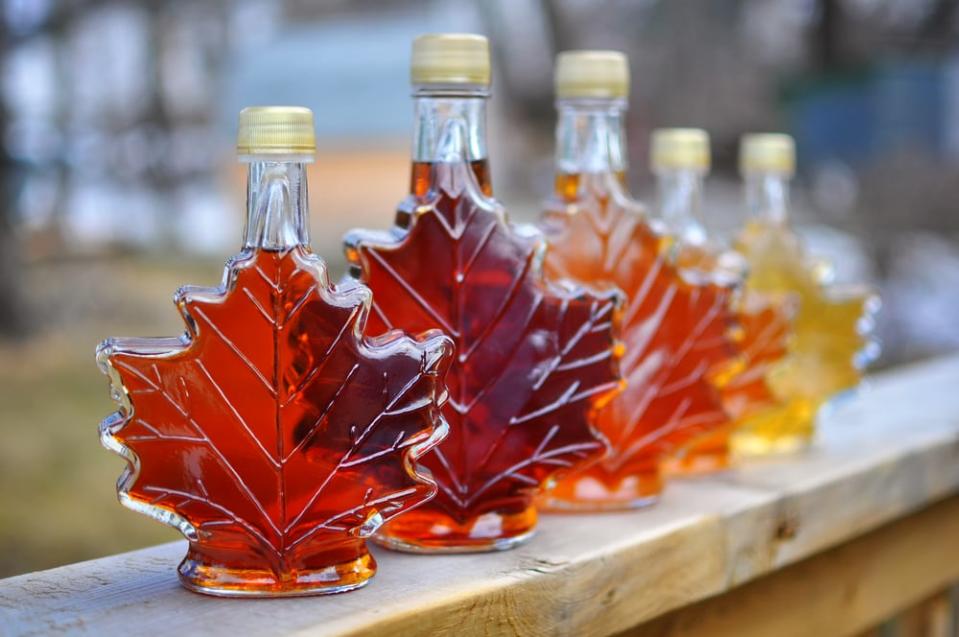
(767, 153)
(276, 131)
(592, 74)
(440, 59)
(679, 149)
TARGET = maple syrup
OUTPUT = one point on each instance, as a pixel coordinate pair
(674, 329)
(273, 433)
(832, 343)
(533, 358)
(680, 158)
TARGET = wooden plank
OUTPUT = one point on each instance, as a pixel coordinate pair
(844, 591)
(856, 477)
(930, 618)
(878, 459)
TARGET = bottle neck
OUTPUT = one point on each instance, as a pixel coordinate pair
(277, 209)
(590, 136)
(767, 196)
(449, 128)
(680, 193)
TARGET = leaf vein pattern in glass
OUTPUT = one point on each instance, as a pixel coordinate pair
(533, 359)
(274, 433)
(675, 331)
(830, 345)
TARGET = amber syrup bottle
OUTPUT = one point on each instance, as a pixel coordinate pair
(832, 330)
(680, 159)
(673, 328)
(533, 358)
(273, 433)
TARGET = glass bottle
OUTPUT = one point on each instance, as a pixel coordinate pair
(674, 329)
(831, 342)
(273, 433)
(533, 358)
(680, 159)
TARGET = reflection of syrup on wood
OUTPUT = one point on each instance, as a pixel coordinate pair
(277, 431)
(532, 359)
(675, 332)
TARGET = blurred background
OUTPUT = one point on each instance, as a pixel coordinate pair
(117, 182)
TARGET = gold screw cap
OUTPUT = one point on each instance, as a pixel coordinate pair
(767, 152)
(450, 58)
(276, 130)
(599, 74)
(679, 148)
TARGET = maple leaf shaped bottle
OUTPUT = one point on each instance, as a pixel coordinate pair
(273, 433)
(674, 329)
(680, 158)
(532, 358)
(831, 342)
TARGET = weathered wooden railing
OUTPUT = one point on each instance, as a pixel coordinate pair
(831, 542)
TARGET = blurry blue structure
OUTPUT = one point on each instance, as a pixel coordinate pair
(857, 117)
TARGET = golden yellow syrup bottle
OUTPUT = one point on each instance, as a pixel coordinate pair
(830, 345)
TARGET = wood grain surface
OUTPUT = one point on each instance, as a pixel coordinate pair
(882, 455)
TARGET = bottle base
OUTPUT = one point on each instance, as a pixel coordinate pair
(559, 506)
(221, 581)
(425, 547)
(697, 464)
(783, 430)
(428, 531)
(753, 445)
(588, 493)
